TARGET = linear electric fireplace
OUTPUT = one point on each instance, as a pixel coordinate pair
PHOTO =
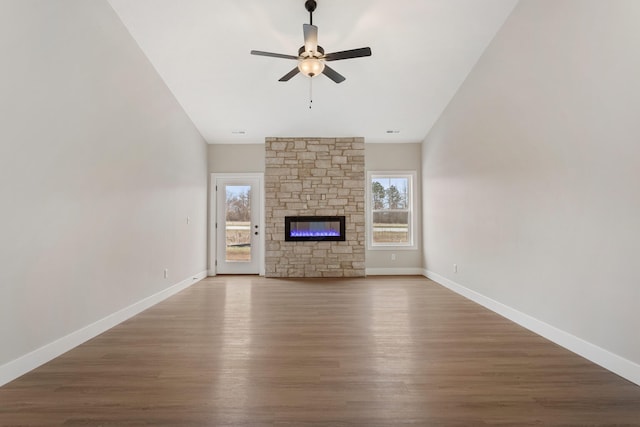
(314, 228)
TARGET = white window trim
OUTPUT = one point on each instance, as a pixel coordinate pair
(413, 228)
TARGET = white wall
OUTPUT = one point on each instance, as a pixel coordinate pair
(531, 176)
(99, 169)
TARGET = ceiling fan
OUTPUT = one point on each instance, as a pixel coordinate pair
(311, 57)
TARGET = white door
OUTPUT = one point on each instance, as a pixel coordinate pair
(238, 224)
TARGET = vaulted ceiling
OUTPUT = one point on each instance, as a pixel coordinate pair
(422, 52)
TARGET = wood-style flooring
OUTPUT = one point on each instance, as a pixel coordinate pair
(380, 351)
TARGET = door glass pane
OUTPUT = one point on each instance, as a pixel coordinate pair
(238, 223)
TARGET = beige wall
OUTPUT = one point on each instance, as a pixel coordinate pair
(233, 158)
(236, 158)
(230, 158)
(396, 157)
(99, 170)
(531, 175)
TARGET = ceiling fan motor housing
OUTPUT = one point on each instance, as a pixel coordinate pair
(302, 53)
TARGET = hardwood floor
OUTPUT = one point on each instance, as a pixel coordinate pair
(381, 351)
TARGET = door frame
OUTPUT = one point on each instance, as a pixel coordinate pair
(213, 235)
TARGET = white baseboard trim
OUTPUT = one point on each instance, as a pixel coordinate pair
(394, 272)
(614, 363)
(20, 366)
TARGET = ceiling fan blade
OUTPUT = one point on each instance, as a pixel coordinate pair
(275, 55)
(333, 74)
(290, 74)
(310, 38)
(347, 54)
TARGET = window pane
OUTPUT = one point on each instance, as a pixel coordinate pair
(390, 227)
(390, 193)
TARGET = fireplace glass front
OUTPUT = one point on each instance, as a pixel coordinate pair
(314, 228)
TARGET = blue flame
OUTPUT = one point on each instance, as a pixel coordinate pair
(309, 233)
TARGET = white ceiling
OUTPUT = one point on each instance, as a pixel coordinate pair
(422, 52)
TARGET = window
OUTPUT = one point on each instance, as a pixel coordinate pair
(391, 217)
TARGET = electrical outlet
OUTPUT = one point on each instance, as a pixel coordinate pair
(455, 268)
(166, 273)
(393, 257)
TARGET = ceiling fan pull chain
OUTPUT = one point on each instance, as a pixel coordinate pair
(310, 92)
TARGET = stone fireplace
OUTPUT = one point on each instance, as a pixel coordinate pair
(314, 178)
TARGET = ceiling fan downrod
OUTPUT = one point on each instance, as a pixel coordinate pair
(310, 5)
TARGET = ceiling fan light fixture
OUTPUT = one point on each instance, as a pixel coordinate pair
(311, 67)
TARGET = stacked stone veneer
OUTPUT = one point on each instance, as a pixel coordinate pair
(314, 176)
